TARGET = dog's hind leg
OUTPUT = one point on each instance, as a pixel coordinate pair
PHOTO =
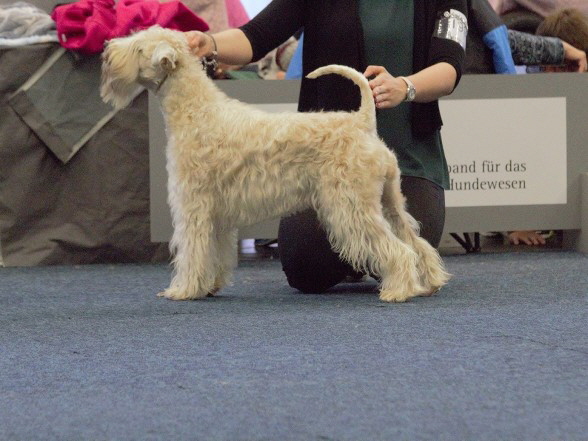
(431, 269)
(359, 232)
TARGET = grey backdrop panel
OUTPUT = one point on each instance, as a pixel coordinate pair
(459, 219)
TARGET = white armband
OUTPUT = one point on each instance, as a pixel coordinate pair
(452, 26)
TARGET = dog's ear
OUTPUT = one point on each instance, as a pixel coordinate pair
(164, 56)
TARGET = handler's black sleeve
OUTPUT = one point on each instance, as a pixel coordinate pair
(273, 26)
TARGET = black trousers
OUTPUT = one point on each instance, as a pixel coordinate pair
(311, 265)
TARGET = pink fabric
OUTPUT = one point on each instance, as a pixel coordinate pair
(86, 24)
(213, 11)
(236, 13)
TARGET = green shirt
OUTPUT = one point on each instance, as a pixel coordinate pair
(388, 28)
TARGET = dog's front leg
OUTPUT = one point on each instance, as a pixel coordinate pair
(194, 259)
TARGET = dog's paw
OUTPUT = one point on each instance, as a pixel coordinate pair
(432, 283)
(394, 296)
(171, 294)
(432, 273)
(430, 291)
(213, 292)
(176, 294)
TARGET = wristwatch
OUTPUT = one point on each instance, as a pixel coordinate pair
(410, 90)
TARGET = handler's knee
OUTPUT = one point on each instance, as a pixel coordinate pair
(308, 260)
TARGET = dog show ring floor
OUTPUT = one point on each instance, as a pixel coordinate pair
(91, 353)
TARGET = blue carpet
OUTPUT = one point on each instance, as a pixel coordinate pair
(90, 353)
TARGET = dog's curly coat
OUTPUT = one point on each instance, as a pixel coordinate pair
(232, 165)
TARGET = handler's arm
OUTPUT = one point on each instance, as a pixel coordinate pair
(430, 83)
(232, 46)
(267, 30)
(433, 82)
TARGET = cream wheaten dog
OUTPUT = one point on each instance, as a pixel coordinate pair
(231, 165)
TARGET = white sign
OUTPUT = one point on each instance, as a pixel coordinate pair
(505, 151)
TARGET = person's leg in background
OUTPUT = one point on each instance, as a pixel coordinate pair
(425, 201)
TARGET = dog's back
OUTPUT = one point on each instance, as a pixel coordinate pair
(367, 108)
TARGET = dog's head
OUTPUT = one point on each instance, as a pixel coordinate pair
(145, 58)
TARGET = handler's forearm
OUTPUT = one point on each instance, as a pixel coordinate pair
(434, 82)
(233, 47)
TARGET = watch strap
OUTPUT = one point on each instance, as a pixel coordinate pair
(410, 90)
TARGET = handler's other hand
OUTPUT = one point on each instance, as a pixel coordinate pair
(388, 91)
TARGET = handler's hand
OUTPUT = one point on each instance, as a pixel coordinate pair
(200, 43)
(388, 91)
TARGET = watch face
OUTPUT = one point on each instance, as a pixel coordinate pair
(410, 90)
(411, 93)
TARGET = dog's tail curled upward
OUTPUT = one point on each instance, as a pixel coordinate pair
(367, 109)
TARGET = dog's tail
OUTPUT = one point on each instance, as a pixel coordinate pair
(367, 107)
